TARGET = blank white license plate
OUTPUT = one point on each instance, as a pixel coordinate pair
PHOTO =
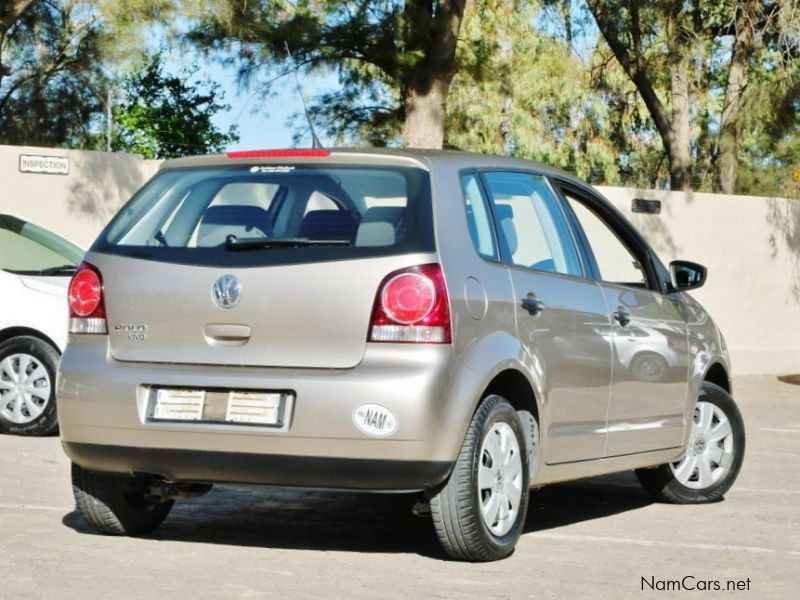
(263, 408)
(218, 406)
(179, 405)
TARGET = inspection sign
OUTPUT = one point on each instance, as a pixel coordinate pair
(50, 165)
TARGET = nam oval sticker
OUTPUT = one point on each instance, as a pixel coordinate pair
(374, 420)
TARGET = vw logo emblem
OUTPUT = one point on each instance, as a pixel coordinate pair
(226, 291)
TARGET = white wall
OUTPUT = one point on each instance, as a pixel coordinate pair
(76, 206)
(750, 245)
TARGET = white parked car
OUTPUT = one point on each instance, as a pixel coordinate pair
(35, 269)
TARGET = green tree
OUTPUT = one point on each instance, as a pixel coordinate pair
(51, 75)
(523, 91)
(395, 60)
(166, 116)
(55, 61)
(678, 52)
(10, 13)
(769, 152)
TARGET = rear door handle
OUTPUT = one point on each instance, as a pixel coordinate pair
(622, 316)
(532, 304)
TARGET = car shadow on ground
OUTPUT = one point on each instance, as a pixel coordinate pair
(584, 500)
(303, 519)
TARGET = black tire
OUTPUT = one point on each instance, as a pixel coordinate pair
(45, 423)
(116, 504)
(455, 507)
(662, 483)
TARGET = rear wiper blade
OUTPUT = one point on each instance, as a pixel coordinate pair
(233, 243)
(57, 270)
(159, 237)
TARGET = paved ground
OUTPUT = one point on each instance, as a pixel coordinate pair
(594, 538)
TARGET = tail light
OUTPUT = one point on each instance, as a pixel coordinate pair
(87, 310)
(412, 307)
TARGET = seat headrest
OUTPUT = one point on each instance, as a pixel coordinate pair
(503, 211)
(235, 214)
(504, 215)
(381, 226)
(329, 225)
(390, 214)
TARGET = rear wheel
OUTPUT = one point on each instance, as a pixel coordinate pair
(116, 504)
(713, 456)
(480, 512)
(27, 386)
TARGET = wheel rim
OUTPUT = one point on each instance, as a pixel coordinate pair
(710, 452)
(25, 388)
(651, 367)
(499, 479)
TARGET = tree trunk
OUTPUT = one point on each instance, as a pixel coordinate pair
(425, 89)
(567, 13)
(423, 126)
(679, 149)
(505, 49)
(673, 128)
(743, 48)
(4, 70)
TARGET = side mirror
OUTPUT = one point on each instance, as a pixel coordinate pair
(687, 275)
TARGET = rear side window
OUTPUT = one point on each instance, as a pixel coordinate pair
(478, 219)
(257, 215)
(533, 231)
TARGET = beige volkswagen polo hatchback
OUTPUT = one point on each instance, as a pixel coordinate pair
(464, 326)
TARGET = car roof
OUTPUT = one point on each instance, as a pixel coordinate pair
(425, 158)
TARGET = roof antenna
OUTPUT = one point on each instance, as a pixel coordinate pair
(315, 143)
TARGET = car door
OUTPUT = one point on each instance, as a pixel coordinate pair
(649, 336)
(561, 317)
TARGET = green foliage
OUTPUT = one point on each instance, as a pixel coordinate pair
(358, 41)
(52, 77)
(770, 152)
(166, 116)
(55, 62)
(701, 33)
(533, 78)
(522, 92)
(378, 49)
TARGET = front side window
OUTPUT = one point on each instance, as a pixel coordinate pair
(27, 249)
(616, 262)
(532, 229)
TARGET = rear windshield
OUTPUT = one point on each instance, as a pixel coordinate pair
(267, 215)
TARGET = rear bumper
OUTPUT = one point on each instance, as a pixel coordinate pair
(102, 405)
(270, 469)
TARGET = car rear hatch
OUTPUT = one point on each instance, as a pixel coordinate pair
(259, 264)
